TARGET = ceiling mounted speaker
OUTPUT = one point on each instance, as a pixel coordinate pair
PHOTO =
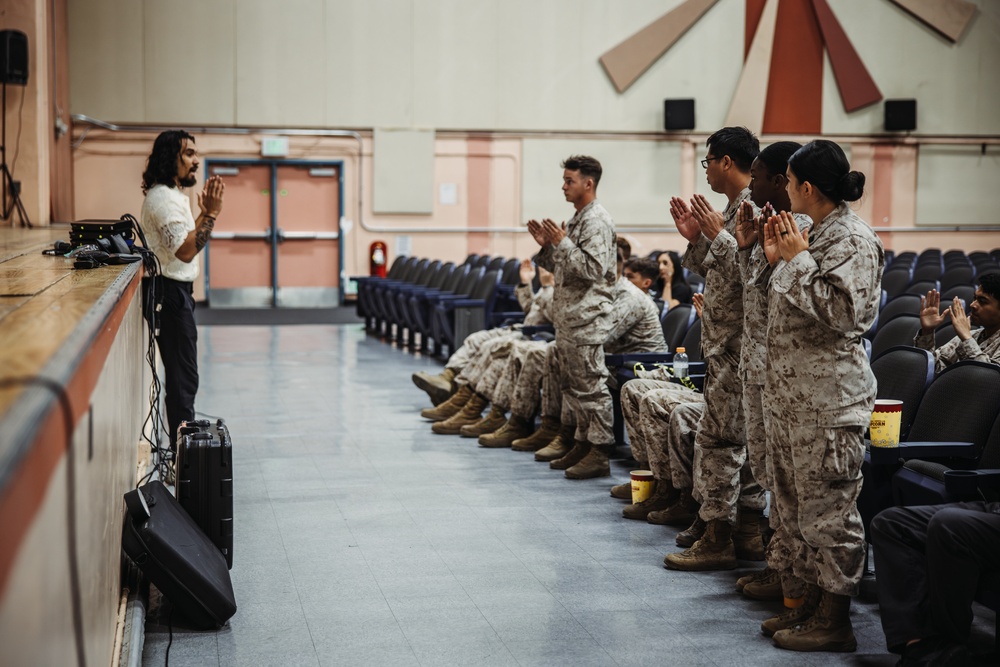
(900, 115)
(678, 114)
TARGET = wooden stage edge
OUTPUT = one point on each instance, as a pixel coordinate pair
(50, 316)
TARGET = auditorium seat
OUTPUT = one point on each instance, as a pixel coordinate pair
(456, 317)
(904, 304)
(900, 330)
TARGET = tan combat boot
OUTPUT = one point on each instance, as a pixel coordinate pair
(450, 407)
(438, 387)
(764, 585)
(829, 629)
(576, 454)
(622, 491)
(795, 615)
(746, 538)
(594, 464)
(753, 576)
(493, 420)
(537, 440)
(469, 414)
(687, 537)
(662, 497)
(559, 446)
(514, 428)
(679, 513)
(714, 551)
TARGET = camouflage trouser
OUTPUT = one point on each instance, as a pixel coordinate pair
(680, 443)
(817, 478)
(551, 396)
(583, 384)
(721, 447)
(646, 407)
(527, 366)
(759, 459)
(631, 393)
(481, 360)
(473, 342)
(753, 412)
(498, 355)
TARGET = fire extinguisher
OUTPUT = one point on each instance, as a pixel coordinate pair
(377, 259)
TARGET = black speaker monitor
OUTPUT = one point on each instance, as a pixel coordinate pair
(900, 115)
(678, 114)
(13, 57)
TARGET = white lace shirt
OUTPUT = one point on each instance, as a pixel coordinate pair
(167, 220)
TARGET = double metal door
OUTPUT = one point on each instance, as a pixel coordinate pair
(277, 242)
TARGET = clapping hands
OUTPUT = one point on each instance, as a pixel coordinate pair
(782, 239)
(546, 232)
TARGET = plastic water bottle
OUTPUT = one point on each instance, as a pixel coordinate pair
(680, 363)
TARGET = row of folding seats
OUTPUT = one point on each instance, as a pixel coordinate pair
(950, 440)
(422, 297)
(909, 273)
(954, 435)
(907, 279)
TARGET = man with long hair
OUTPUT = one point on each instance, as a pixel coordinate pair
(177, 238)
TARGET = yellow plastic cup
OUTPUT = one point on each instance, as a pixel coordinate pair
(886, 417)
(642, 485)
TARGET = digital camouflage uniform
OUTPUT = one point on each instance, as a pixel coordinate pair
(487, 367)
(537, 307)
(584, 267)
(721, 437)
(756, 274)
(470, 348)
(818, 397)
(519, 387)
(490, 375)
(636, 329)
(635, 322)
(680, 445)
(650, 407)
(644, 435)
(955, 350)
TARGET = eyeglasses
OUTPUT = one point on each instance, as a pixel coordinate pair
(704, 163)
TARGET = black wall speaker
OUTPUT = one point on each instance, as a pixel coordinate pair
(900, 115)
(13, 57)
(678, 114)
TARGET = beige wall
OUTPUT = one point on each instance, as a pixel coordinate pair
(488, 65)
(523, 77)
(523, 182)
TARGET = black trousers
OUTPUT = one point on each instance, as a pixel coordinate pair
(178, 343)
(928, 563)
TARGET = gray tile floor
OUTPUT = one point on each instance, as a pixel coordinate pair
(362, 538)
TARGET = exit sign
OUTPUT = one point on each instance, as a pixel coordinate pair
(274, 146)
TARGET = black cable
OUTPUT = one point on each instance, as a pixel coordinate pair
(170, 630)
(76, 597)
(154, 424)
(20, 124)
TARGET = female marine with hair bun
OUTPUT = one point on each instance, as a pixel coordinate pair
(819, 393)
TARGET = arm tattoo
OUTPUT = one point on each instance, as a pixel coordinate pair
(204, 231)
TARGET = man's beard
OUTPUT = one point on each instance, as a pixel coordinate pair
(188, 180)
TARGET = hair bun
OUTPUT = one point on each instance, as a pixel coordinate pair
(852, 186)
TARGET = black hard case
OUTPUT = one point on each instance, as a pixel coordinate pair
(173, 552)
(204, 473)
